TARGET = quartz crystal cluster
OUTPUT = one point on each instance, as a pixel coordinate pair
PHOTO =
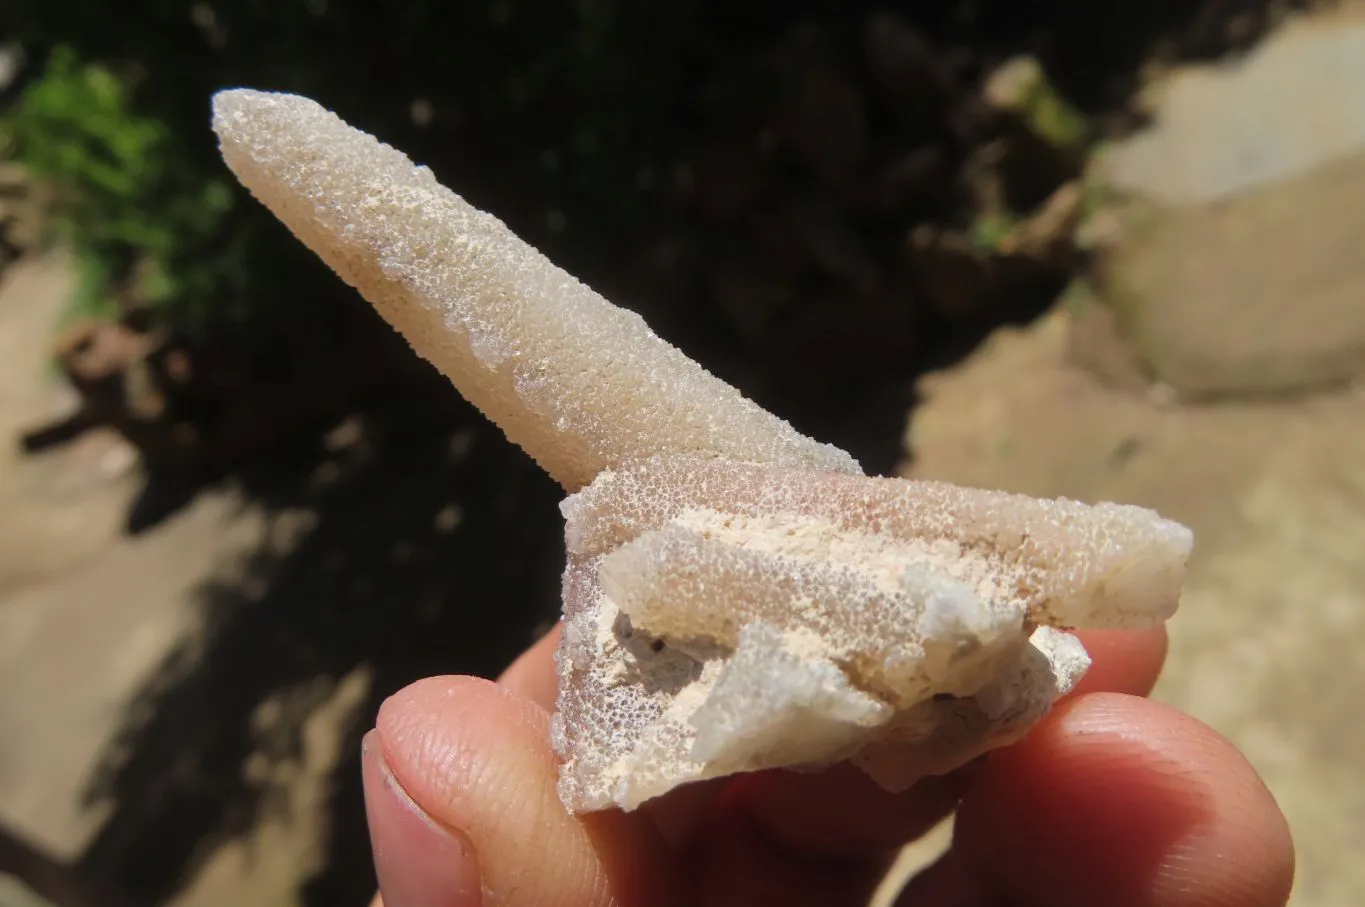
(737, 596)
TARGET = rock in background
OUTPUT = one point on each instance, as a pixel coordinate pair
(1226, 237)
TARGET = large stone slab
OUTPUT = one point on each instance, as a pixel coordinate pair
(1229, 235)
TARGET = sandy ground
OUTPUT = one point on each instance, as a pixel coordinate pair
(88, 616)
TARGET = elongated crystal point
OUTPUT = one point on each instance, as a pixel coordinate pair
(577, 382)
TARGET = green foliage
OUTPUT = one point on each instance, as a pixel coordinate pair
(1054, 118)
(990, 229)
(128, 206)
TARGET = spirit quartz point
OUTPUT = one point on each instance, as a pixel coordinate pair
(737, 596)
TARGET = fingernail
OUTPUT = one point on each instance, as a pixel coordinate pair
(420, 863)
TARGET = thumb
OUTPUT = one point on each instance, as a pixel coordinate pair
(463, 812)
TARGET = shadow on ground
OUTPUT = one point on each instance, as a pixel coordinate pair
(425, 545)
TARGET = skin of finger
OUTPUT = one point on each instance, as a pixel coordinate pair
(477, 758)
(732, 862)
(1120, 801)
(678, 813)
(841, 814)
(419, 861)
(1122, 661)
(533, 675)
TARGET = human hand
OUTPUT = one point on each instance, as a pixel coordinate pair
(1111, 801)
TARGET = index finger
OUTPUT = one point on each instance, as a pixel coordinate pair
(1121, 801)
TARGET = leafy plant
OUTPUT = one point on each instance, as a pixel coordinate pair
(132, 212)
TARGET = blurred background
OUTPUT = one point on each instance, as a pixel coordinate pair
(1108, 251)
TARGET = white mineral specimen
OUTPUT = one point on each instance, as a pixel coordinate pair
(726, 617)
(737, 596)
